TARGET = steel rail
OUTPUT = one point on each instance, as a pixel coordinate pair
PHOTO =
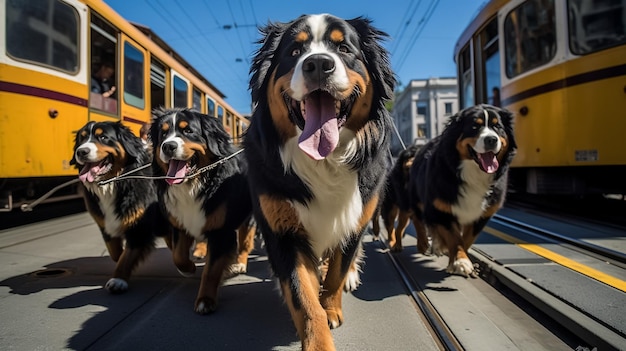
(439, 327)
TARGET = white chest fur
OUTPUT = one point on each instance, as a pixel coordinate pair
(182, 203)
(336, 207)
(106, 195)
(472, 201)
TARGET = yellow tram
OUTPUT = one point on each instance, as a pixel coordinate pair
(49, 53)
(560, 66)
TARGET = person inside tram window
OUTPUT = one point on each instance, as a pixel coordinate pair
(143, 134)
(101, 80)
(496, 97)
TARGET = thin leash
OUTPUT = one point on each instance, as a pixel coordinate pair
(127, 175)
(29, 207)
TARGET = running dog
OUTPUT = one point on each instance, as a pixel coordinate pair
(124, 210)
(459, 181)
(316, 149)
(204, 194)
(396, 204)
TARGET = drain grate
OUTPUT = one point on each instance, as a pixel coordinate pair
(51, 272)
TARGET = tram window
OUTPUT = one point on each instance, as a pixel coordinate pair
(133, 76)
(467, 83)
(180, 92)
(157, 84)
(530, 36)
(103, 87)
(595, 26)
(491, 69)
(220, 114)
(196, 100)
(229, 118)
(210, 105)
(43, 32)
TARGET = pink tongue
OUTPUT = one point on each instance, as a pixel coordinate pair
(89, 172)
(489, 162)
(321, 132)
(177, 169)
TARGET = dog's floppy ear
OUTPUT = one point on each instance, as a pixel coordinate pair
(271, 36)
(131, 143)
(217, 140)
(376, 56)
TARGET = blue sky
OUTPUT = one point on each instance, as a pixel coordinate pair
(422, 33)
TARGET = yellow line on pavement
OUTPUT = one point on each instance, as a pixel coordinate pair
(562, 260)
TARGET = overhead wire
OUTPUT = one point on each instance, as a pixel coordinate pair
(416, 34)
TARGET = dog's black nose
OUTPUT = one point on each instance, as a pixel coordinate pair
(318, 66)
(82, 152)
(491, 142)
(169, 148)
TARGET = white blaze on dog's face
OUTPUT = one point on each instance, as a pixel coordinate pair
(320, 84)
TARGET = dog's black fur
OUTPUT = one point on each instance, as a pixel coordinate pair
(459, 180)
(396, 204)
(302, 185)
(124, 210)
(209, 206)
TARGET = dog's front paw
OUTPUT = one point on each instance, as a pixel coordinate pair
(235, 269)
(335, 317)
(205, 305)
(462, 267)
(353, 280)
(116, 286)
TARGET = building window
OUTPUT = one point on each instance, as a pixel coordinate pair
(448, 108)
(422, 108)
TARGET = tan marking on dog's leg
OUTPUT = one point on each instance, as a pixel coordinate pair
(390, 225)
(376, 224)
(458, 261)
(206, 301)
(333, 290)
(422, 237)
(368, 210)
(245, 236)
(180, 254)
(115, 246)
(310, 319)
(468, 236)
(403, 222)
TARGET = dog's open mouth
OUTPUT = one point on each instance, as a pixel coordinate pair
(93, 170)
(320, 116)
(488, 162)
(178, 170)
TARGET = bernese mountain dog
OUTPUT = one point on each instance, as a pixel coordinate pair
(316, 149)
(395, 204)
(124, 210)
(459, 181)
(203, 192)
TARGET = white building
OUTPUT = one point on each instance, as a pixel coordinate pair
(421, 110)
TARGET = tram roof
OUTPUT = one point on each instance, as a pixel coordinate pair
(163, 45)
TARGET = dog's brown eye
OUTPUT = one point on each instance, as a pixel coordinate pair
(343, 49)
(295, 52)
